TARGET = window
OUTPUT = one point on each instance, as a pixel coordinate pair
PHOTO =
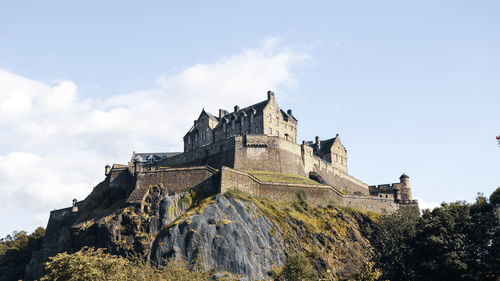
(257, 130)
(189, 140)
(251, 118)
(277, 120)
(224, 127)
(278, 133)
(242, 122)
(270, 118)
(341, 160)
(196, 138)
(232, 124)
(270, 131)
(336, 158)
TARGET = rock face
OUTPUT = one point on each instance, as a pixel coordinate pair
(229, 235)
(232, 233)
(225, 234)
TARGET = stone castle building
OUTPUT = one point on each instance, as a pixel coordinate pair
(262, 138)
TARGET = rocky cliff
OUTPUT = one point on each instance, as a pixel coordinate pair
(231, 232)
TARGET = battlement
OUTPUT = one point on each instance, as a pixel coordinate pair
(260, 137)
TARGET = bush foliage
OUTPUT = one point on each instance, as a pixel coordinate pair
(96, 264)
(16, 251)
(457, 241)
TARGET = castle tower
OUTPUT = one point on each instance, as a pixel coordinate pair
(107, 169)
(405, 189)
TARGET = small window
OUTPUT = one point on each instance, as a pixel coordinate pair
(336, 158)
(232, 124)
(224, 127)
(270, 118)
(196, 138)
(189, 140)
(257, 130)
(270, 131)
(251, 118)
(277, 120)
(278, 133)
(242, 122)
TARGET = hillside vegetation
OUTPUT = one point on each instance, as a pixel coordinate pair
(236, 236)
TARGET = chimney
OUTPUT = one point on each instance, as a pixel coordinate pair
(318, 144)
(289, 112)
(222, 112)
(236, 108)
(317, 140)
(270, 94)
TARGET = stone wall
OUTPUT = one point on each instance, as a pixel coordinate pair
(120, 176)
(174, 181)
(216, 155)
(316, 194)
(267, 153)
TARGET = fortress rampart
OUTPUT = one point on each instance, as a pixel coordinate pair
(222, 152)
(267, 153)
(316, 194)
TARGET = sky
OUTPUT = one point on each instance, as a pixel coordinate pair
(410, 86)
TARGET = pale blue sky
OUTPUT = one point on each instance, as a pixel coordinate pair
(410, 86)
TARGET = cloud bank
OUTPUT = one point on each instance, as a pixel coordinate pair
(422, 204)
(54, 142)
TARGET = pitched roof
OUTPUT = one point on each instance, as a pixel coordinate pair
(325, 145)
(210, 115)
(286, 116)
(155, 155)
(247, 110)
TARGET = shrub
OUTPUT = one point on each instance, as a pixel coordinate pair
(296, 268)
(95, 264)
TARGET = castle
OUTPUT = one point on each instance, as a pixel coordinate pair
(254, 149)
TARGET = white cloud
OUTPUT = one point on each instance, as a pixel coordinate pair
(422, 204)
(54, 142)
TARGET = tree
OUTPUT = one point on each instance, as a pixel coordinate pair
(457, 241)
(96, 264)
(16, 251)
(390, 238)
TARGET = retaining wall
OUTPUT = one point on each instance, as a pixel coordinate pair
(316, 194)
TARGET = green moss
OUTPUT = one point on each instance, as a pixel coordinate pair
(197, 208)
(280, 177)
(223, 222)
(325, 234)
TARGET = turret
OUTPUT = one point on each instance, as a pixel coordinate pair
(405, 189)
